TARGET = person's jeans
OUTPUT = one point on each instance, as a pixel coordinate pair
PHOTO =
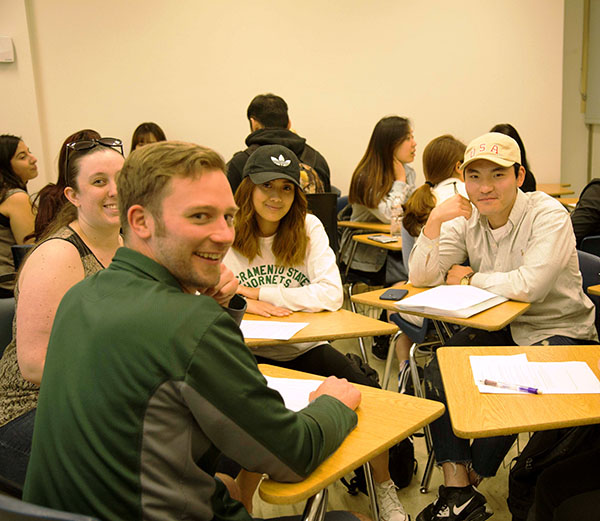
(15, 447)
(484, 454)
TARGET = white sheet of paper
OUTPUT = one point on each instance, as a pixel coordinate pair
(271, 329)
(549, 377)
(293, 391)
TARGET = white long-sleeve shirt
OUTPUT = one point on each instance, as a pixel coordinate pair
(534, 261)
(313, 286)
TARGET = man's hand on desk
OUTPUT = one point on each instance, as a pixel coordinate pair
(225, 289)
(457, 272)
(455, 206)
(264, 309)
(339, 388)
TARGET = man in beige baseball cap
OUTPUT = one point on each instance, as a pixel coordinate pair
(515, 244)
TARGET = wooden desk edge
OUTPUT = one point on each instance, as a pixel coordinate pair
(270, 491)
(371, 298)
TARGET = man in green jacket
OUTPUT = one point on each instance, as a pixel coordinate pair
(147, 378)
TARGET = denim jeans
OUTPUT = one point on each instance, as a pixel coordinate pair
(484, 454)
(15, 447)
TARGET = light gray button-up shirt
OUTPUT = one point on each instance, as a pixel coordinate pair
(534, 261)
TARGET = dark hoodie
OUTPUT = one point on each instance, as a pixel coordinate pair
(277, 136)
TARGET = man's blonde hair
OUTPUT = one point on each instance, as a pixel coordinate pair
(148, 170)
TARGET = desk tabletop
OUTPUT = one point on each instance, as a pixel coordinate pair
(554, 189)
(393, 246)
(325, 325)
(384, 418)
(491, 319)
(479, 415)
(364, 225)
(594, 290)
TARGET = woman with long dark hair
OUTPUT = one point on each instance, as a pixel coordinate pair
(382, 179)
(17, 167)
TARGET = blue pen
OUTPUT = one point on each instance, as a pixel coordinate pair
(514, 387)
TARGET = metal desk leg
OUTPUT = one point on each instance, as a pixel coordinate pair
(388, 362)
(371, 492)
(316, 506)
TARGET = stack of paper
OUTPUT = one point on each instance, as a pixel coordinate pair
(548, 377)
(451, 301)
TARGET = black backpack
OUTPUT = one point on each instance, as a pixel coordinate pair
(543, 450)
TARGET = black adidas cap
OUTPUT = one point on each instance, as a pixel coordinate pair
(272, 162)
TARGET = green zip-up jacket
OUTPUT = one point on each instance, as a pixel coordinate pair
(144, 387)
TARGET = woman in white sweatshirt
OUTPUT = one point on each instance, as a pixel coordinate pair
(283, 262)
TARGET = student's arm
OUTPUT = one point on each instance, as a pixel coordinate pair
(432, 256)
(586, 216)
(49, 272)
(248, 422)
(324, 292)
(548, 251)
(17, 208)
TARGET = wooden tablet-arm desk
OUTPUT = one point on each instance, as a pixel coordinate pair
(384, 418)
(501, 414)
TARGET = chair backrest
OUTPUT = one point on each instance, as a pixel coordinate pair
(12, 509)
(591, 244)
(7, 313)
(324, 206)
(408, 241)
(18, 252)
(589, 266)
(342, 202)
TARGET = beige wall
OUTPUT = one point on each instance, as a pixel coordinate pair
(575, 133)
(193, 66)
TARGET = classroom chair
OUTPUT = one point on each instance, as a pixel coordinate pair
(7, 313)
(12, 509)
(591, 244)
(324, 206)
(18, 252)
(589, 266)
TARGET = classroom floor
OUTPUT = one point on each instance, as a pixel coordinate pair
(495, 489)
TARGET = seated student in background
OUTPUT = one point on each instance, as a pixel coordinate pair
(270, 124)
(586, 216)
(520, 246)
(442, 160)
(145, 134)
(283, 263)
(382, 178)
(81, 241)
(51, 198)
(17, 167)
(159, 380)
(529, 184)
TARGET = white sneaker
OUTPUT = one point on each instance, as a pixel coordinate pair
(390, 508)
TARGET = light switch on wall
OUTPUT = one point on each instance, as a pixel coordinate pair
(7, 51)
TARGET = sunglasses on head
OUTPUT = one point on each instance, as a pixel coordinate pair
(88, 144)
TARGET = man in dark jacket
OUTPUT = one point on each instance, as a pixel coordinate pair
(270, 125)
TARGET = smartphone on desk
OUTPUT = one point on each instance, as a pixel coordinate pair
(393, 294)
(384, 239)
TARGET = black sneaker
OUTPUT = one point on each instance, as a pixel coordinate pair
(454, 504)
(380, 347)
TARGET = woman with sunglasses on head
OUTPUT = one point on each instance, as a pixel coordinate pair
(81, 241)
(283, 263)
(51, 198)
(17, 167)
(382, 180)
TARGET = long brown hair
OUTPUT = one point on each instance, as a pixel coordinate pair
(291, 240)
(374, 175)
(439, 162)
